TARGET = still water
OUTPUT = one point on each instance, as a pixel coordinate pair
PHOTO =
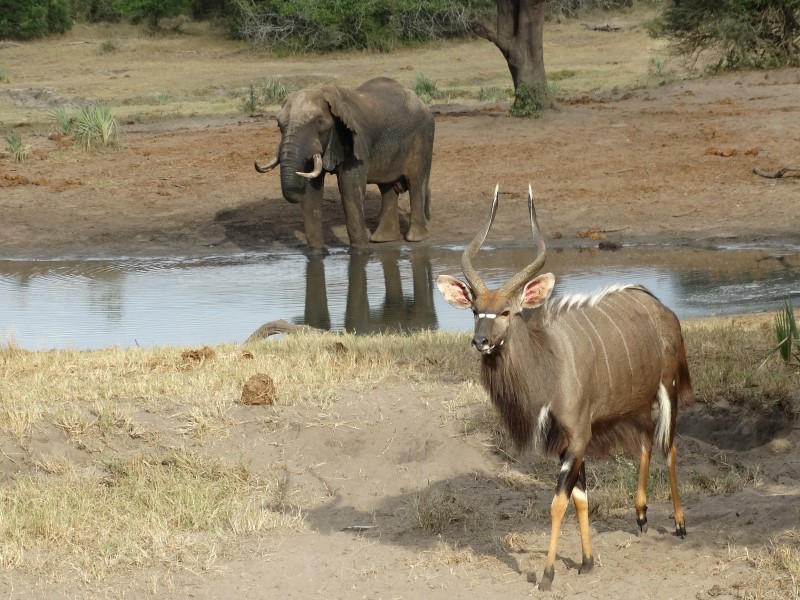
(184, 302)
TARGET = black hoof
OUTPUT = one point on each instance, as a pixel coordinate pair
(680, 530)
(642, 523)
(547, 579)
(587, 565)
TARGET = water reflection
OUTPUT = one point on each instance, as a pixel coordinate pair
(397, 312)
(97, 303)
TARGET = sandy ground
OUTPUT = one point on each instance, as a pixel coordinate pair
(659, 166)
(666, 166)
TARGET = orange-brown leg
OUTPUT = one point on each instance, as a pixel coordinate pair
(641, 490)
(680, 524)
(570, 469)
(557, 509)
(581, 501)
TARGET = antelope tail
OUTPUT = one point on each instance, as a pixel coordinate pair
(664, 423)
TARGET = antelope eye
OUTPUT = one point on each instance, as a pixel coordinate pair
(505, 313)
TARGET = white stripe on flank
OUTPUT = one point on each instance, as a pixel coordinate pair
(624, 343)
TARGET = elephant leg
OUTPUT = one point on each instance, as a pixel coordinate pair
(420, 196)
(353, 187)
(389, 227)
(311, 204)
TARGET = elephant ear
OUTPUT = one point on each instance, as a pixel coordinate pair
(345, 106)
(340, 144)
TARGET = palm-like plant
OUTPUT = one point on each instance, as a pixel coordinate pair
(786, 332)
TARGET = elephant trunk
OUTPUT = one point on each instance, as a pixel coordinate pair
(296, 167)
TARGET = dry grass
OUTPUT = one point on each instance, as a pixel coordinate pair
(97, 390)
(731, 360)
(776, 567)
(129, 407)
(215, 73)
(139, 511)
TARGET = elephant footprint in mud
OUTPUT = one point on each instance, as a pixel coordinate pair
(378, 133)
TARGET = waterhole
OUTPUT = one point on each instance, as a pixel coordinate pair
(173, 301)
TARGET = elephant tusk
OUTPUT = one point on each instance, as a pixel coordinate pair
(317, 168)
(272, 164)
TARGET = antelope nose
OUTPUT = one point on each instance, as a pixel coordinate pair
(480, 343)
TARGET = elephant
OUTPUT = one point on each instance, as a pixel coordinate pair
(380, 133)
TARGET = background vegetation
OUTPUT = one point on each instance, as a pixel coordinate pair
(733, 33)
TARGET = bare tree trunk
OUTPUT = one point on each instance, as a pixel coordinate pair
(519, 33)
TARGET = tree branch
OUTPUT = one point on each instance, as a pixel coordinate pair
(776, 174)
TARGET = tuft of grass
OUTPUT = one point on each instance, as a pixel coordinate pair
(95, 126)
(561, 74)
(273, 91)
(63, 121)
(437, 509)
(18, 150)
(786, 332)
(426, 89)
(4, 75)
(488, 94)
(108, 46)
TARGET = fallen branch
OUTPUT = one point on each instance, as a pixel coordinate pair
(776, 174)
(606, 27)
(280, 326)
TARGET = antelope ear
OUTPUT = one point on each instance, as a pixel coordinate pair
(537, 291)
(455, 292)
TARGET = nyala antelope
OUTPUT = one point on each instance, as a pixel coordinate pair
(576, 377)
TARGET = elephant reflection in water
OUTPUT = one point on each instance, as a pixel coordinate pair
(398, 312)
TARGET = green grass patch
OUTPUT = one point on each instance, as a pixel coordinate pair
(16, 148)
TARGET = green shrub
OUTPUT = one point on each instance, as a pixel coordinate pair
(273, 91)
(786, 332)
(530, 100)
(18, 151)
(62, 121)
(151, 11)
(91, 126)
(313, 26)
(426, 89)
(29, 19)
(250, 101)
(733, 33)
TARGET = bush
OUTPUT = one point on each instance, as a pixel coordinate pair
(90, 126)
(530, 100)
(18, 151)
(151, 11)
(734, 33)
(312, 26)
(28, 19)
(95, 11)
